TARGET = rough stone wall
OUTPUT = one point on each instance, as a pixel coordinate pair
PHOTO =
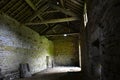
(103, 34)
(66, 51)
(19, 44)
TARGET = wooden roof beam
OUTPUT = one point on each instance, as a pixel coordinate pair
(53, 11)
(18, 9)
(65, 11)
(62, 2)
(13, 7)
(49, 28)
(63, 5)
(54, 21)
(31, 5)
(78, 3)
(35, 9)
(36, 13)
(7, 4)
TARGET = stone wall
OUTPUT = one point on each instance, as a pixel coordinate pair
(19, 44)
(103, 34)
(66, 51)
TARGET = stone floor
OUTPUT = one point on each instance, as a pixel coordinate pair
(58, 73)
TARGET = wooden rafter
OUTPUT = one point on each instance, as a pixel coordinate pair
(53, 21)
(18, 9)
(36, 13)
(7, 4)
(63, 10)
(31, 5)
(35, 9)
(38, 2)
(22, 11)
(53, 11)
(41, 3)
(62, 2)
(13, 7)
(25, 14)
(70, 26)
(49, 28)
(78, 3)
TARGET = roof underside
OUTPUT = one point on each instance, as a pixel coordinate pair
(46, 16)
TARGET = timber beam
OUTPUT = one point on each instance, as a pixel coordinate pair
(35, 9)
(53, 21)
(63, 10)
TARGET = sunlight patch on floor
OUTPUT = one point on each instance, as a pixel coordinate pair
(61, 69)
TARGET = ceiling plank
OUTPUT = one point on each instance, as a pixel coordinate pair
(49, 28)
(18, 9)
(31, 5)
(63, 5)
(7, 4)
(62, 2)
(41, 18)
(14, 7)
(78, 3)
(44, 30)
(69, 26)
(36, 13)
(65, 11)
(22, 11)
(53, 21)
(10, 5)
(38, 2)
(35, 9)
(41, 3)
(53, 11)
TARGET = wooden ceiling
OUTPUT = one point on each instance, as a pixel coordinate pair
(46, 16)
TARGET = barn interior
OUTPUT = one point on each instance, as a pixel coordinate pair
(59, 39)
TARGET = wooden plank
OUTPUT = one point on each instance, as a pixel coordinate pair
(65, 11)
(18, 9)
(36, 13)
(77, 3)
(35, 9)
(48, 12)
(53, 21)
(8, 4)
(47, 29)
(41, 18)
(62, 2)
(31, 5)
(15, 5)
